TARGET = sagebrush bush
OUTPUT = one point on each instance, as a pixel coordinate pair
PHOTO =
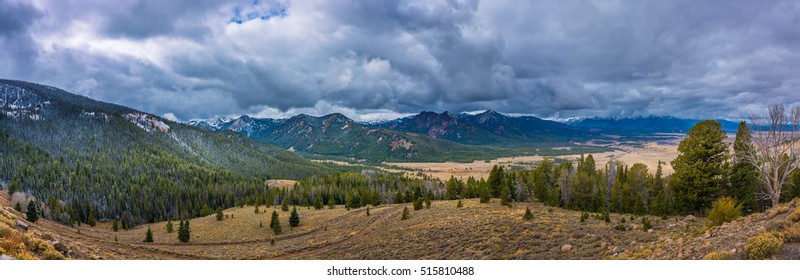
(724, 210)
(764, 246)
(720, 255)
(792, 233)
(795, 216)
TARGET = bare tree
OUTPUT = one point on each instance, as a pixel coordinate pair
(775, 152)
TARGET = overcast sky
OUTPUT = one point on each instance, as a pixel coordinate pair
(383, 59)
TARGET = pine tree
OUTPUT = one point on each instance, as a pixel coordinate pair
(294, 218)
(367, 211)
(427, 203)
(460, 204)
(115, 225)
(90, 220)
(277, 229)
(256, 211)
(701, 168)
(32, 214)
(483, 192)
(331, 202)
(285, 205)
(275, 220)
(220, 216)
(18, 207)
(505, 196)
(169, 226)
(744, 176)
(418, 204)
(272, 242)
(528, 214)
(148, 238)
(405, 214)
(184, 232)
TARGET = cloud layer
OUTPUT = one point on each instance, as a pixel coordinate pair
(374, 59)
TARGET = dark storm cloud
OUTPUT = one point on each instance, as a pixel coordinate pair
(716, 59)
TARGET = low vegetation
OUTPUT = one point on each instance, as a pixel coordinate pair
(764, 246)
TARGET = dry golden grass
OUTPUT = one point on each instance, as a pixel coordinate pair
(650, 153)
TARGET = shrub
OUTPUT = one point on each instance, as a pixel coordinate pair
(367, 211)
(405, 214)
(460, 204)
(623, 220)
(584, 216)
(620, 227)
(792, 233)
(427, 203)
(763, 246)
(795, 216)
(646, 225)
(528, 214)
(724, 210)
(115, 226)
(719, 255)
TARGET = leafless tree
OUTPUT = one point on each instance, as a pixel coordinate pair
(775, 152)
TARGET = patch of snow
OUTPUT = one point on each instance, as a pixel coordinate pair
(147, 122)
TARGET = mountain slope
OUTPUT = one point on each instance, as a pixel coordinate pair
(487, 128)
(86, 156)
(335, 135)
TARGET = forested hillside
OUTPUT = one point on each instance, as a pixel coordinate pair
(92, 160)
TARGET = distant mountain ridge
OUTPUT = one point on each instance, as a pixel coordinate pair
(337, 135)
(649, 124)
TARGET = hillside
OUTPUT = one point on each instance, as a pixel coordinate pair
(338, 136)
(487, 128)
(83, 156)
(476, 231)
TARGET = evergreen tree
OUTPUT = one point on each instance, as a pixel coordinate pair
(505, 197)
(701, 168)
(91, 220)
(275, 221)
(405, 214)
(318, 203)
(528, 214)
(285, 205)
(115, 225)
(32, 214)
(367, 211)
(220, 216)
(169, 226)
(496, 180)
(427, 203)
(483, 192)
(277, 229)
(256, 211)
(184, 232)
(18, 207)
(418, 204)
(744, 176)
(331, 202)
(148, 238)
(294, 218)
(460, 204)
